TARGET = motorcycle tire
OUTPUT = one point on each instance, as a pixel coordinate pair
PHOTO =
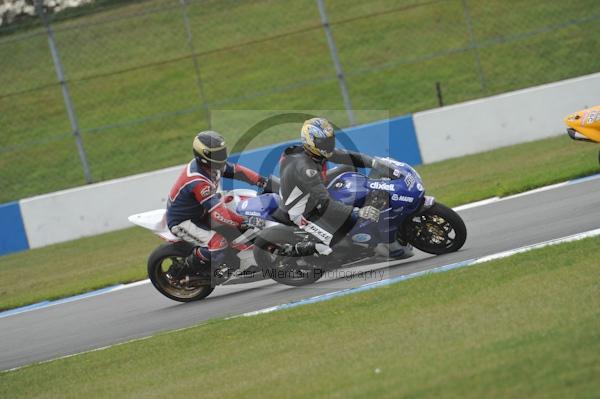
(172, 256)
(439, 230)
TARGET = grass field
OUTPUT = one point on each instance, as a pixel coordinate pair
(82, 265)
(136, 117)
(522, 327)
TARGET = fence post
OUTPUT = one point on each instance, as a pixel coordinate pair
(473, 44)
(438, 90)
(65, 90)
(190, 38)
(336, 62)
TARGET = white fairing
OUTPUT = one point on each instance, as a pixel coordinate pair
(234, 197)
(156, 220)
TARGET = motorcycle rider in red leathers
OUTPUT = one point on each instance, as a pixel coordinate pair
(195, 208)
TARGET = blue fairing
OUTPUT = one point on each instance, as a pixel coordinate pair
(405, 192)
(405, 197)
(349, 188)
(262, 206)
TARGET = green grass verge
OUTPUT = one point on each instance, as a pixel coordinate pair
(524, 327)
(82, 265)
(74, 267)
(509, 170)
(392, 60)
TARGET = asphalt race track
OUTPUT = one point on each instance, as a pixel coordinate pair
(141, 311)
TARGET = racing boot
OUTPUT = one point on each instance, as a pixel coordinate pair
(307, 248)
(199, 262)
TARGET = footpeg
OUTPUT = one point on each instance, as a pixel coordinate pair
(311, 248)
(304, 248)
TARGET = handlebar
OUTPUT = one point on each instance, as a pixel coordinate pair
(272, 186)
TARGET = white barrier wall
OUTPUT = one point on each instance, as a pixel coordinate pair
(503, 120)
(443, 133)
(103, 207)
(94, 209)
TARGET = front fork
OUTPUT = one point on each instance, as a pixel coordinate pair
(426, 203)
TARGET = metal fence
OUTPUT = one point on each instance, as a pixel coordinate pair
(122, 86)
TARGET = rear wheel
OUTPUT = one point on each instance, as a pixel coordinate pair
(172, 278)
(439, 230)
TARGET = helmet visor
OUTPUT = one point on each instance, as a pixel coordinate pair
(325, 145)
(213, 161)
(215, 156)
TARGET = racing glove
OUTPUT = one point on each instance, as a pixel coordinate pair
(262, 182)
(368, 213)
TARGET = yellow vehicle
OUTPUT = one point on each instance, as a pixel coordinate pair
(585, 125)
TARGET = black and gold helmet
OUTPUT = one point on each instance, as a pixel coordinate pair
(210, 152)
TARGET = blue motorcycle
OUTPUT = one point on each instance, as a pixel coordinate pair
(407, 216)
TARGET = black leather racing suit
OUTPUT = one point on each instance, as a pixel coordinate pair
(306, 199)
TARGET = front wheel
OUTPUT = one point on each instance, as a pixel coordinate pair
(171, 277)
(439, 230)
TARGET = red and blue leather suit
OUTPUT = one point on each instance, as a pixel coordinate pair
(194, 206)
